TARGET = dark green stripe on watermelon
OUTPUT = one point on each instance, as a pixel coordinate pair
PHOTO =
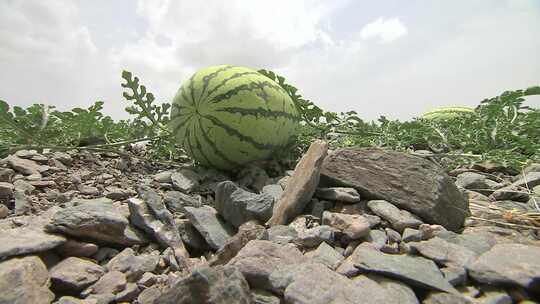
(244, 87)
(259, 112)
(180, 125)
(224, 82)
(213, 146)
(209, 77)
(236, 133)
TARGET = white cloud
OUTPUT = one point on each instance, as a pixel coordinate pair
(384, 30)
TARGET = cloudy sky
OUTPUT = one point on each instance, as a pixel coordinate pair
(394, 58)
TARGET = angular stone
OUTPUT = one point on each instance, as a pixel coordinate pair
(98, 221)
(301, 185)
(238, 206)
(27, 240)
(4, 212)
(378, 238)
(219, 285)
(258, 259)
(341, 194)
(163, 177)
(149, 295)
(398, 291)
(75, 274)
(23, 186)
(151, 215)
(399, 219)
(185, 180)
(118, 194)
(111, 282)
(133, 266)
(252, 177)
(210, 226)
(25, 166)
(313, 237)
(409, 182)
(73, 300)
(247, 232)
(509, 193)
(129, 294)
(416, 271)
(77, 249)
(508, 264)
(474, 181)
(281, 234)
(529, 180)
(275, 191)
(6, 190)
(455, 275)
(354, 226)
(22, 203)
(446, 298)
(24, 280)
(176, 201)
(443, 252)
(191, 237)
(412, 235)
(475, 242)
(6, 174)
(263, 297)
(326, 255)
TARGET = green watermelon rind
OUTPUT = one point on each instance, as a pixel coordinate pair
(447, 113)
(226, 116)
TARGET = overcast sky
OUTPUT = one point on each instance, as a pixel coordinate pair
(393, 58)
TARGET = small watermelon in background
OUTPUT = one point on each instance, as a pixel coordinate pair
(447, 113)
(226, 116)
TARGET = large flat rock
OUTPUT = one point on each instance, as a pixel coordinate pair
(24, 280)
(27, 240)
(205, 219)
(409, 182)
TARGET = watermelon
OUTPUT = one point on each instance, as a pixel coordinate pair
(226, 116)
(447, 113)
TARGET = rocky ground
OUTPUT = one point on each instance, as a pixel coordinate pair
(346, 226)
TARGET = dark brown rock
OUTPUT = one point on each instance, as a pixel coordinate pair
(409, 182)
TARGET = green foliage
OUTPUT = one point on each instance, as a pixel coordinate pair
(501, 129)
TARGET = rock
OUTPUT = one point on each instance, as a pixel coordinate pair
(509, 193)
(258, 259)
(25, 166)
(475, 181)
(341, 194)
(378, 238)
(412, 235)
(529, 180)
(133, 266)
(219, 285)
(313, 237)
(118, 194)
(176, 201)
(24, 280)
(149, 295)
(191, 237)
(22, 203)
(393, 236)
(416, 271)
(275, 191)
(129, 294)
(281, 234)
(309, 283)
(6, 190)
(98, 221)
(238, 206)
(6, 174)
(443, 252)
(77, 249)
(316, 207)
(326, 255)
(111, 282)
(399, 219)
(301, 185)
(75, 274)
(63, 157)
(508, 264)
(252, 177)
(23, 186)
(475, 242)
(163, 177)
(27, 240)
(353, 226)
(213, 229)
(148, 279)
(409, 182)
(104, 254)
(185, 180)
(247, 232)
(400, 292)
(151, 215)
(73, 300)
(4, 212)
(263, 297)
(446, 298)
(455, 275)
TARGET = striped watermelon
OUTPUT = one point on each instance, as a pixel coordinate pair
(447, 113)
(226, 116)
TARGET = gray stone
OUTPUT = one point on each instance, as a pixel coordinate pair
(455, 275)
(148, 279)
(316, 207)
(263, 297)
(111, 282)
(185, 180)
(27, 240)
(378, 238)
(252, 177)
(446, 298)
(238, 206)
(176, 201)
(409, 182)
(416, 271)
(118, 194)
(22, 203)
(474, 181)
(24, 280)
(326, 255)
(97, 221)
(508, 264)
(77, 249)
(163, 177)
(475, 242)
(301, 185)
(443, 252)
(6, 190)
(529, 180)
(313, 237)
(219, 285)
(133, 266)
(25, 166)
(151, 215)
(341, 194)
(75, 274)
(6, 174)
(23, 186)
(281, 234)
(149, 295)
(4, 212)
(354, 226)
(63, 157)
(412, 235)
(347, 267)
(129, 294)
(247, 232)
(400, 292)
(210, 226)
(258, 259)
(273, 190)
(399, 219)
(393, 236)
(510, 193)
(104, 254)
(191, 237)
(73, 300)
